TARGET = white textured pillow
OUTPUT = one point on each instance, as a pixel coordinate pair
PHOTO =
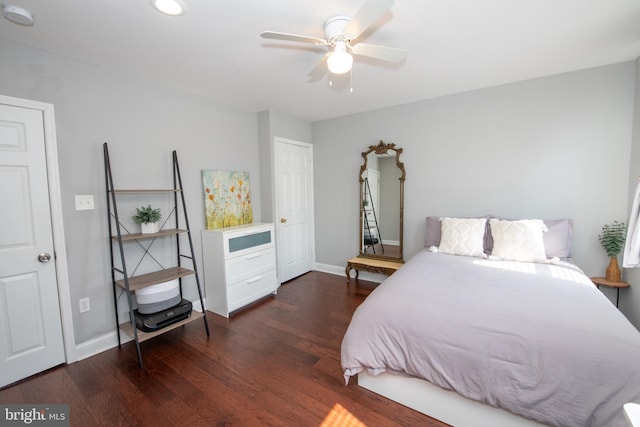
(463, 236)
(518, 240)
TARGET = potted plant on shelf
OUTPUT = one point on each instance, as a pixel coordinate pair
(612, 240)
(148, 218)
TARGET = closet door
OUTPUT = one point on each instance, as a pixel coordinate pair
(293, 171)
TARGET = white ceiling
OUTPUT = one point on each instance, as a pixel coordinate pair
(215, 48)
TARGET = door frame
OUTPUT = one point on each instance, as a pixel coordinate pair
(276, 193)
(57, 224)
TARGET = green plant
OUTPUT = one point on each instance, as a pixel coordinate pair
(146, 215)
(612, 238)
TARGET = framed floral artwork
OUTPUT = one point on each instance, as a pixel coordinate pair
(227, 198)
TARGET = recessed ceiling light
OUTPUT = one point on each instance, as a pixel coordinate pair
(17, 14)
(169, 7)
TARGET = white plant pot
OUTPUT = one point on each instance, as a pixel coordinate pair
(149, 227)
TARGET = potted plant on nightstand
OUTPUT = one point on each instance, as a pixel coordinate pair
(612, 240)
(148, 218)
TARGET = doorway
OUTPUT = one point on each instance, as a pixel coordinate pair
(293, 170)
(34, 286)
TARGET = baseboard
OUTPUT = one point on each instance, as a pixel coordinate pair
(109, 340)
(99, 344)
(340, 271)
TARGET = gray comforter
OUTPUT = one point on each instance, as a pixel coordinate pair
(539, 340)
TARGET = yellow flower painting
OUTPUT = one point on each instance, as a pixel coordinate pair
(227, 198)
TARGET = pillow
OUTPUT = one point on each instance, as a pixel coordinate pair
(433, 232)
(520, 240)
(557, 240)
(463, 236)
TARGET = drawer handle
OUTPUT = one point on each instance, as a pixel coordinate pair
(254, 279)
(253, 255)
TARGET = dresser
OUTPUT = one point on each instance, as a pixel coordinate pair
(239, 266)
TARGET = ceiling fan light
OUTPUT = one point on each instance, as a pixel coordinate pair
(169, 7)
(339, 62)
(17, 14)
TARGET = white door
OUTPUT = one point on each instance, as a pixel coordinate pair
(30, 325)
(294, 207)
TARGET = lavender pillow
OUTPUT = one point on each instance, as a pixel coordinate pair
(557, 241)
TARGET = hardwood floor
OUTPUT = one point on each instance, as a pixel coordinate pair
(276, 363)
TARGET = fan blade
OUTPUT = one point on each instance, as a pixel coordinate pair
(384, 53)
(369, 13)
(319, 70)
(292, 37)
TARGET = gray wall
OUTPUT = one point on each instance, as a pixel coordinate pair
(553, 147)
(275, 124)
(142, 122)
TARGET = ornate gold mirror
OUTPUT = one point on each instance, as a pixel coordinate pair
(381, 202)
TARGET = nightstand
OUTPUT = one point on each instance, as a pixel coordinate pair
(604, 282)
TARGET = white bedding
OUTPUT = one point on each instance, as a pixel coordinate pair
(539, 340)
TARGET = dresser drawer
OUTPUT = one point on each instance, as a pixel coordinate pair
(248, 290)
(250, 264)
(243, 241)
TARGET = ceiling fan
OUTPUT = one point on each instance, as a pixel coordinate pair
(340, 33)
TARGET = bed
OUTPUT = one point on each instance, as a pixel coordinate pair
(522, 330)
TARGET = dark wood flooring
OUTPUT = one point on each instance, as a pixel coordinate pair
(276, 363)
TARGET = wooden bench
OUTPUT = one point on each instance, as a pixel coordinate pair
(373, 265)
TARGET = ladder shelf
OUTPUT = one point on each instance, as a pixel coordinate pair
(127, 282)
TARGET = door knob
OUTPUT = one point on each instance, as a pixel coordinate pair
(283, 220)
(44, 257)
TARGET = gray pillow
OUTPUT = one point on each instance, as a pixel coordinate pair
(432, 232)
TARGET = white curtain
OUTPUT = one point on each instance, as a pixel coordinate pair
(631, 256)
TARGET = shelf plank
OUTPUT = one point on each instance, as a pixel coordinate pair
(144, 280)
(138, 191)
(143, 336)
(140, 236)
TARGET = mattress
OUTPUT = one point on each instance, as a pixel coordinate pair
(537, 339)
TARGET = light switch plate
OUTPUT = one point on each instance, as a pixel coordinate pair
(84, 202)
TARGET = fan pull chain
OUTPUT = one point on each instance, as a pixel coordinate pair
(351, 80)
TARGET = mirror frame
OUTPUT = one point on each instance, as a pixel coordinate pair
(382, 148)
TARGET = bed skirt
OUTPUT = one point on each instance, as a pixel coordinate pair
(443, 405)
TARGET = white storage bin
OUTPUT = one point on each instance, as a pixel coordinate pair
(158, 297)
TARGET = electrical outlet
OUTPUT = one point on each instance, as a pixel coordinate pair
(85, 305)
(84, 202)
